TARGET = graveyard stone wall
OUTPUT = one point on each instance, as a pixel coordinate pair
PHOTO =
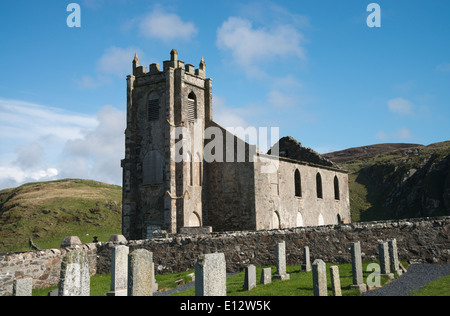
(419, 241)
(43, 266)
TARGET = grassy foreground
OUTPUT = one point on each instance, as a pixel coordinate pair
(300, 283)
(439, 287)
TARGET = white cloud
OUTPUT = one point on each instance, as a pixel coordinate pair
(97, 155)
(381, 135)
(282, 100)
(28, 157)
(166, 26)
(42, 143)
(114, 63)
(403, 133)
(249, 46)
(14, 176)
(24, 121)
(117, 61)
(401, 106)
(444, 67)
(228, 116)
(88, 82)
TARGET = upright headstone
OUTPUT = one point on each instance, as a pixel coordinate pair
(250, 278)
(155, 285)
(118, 239)
(140, 274)
(119, 271)
(306, 266)
(335, 281)
(319, 278)
(74, 279)
(266, 276)
(281, 262)
(210, 275)
(71, 241)
(383, 250)
(393, 254)
(357, 269)
(23, 287)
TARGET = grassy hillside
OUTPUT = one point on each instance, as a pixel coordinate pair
(390, 182)
(48, 212)
(387, 181)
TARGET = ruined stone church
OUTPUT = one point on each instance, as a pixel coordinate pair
(169, 106)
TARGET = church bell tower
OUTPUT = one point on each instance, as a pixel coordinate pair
(163, 167)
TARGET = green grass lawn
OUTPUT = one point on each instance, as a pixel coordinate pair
(439, 287)
(300, 284)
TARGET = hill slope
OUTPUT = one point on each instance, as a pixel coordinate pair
(391, 181)
(366, 152)
(49, 211)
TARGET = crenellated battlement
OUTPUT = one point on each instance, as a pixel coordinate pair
(173, 63)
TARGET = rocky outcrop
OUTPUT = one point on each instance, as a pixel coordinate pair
(409, 189)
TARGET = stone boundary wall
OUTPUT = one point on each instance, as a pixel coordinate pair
(43, 266)
(419, 241)
(425, 240)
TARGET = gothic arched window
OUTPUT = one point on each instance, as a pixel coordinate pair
(336, 189)
(298, 184)
(319, 186)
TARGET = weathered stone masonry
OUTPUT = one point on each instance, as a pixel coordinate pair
(222, 181)
(43, 266)
(419, 240)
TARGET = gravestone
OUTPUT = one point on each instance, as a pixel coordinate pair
(140, 274)
(335, 281)
(23, 287)
(119, 271)
(210, 275)
(266, 276)
(357, 269)
(319, 278)
(118, 239)
(71, 241)
(393, 255)
(155, 285)
(74, 279)
(250, 278)
(306, 266)
(383, 250)
(281, 262)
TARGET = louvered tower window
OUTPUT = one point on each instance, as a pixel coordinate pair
(191, 108)
(153, 109)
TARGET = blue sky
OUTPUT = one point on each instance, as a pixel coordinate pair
(312, 68)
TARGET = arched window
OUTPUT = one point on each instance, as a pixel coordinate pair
(336, 189)
(298, 184)
(153, 107)
(299, 219)
(276, 222)
(321, 220)
(319, 186)
(191, 107)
